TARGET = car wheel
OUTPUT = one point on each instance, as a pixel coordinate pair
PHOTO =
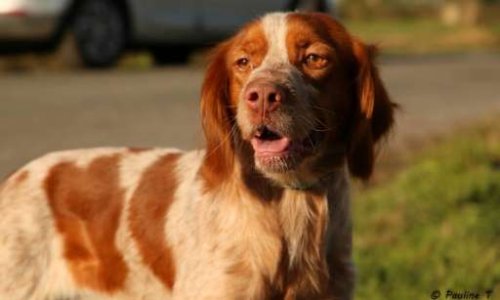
(170, 55)
(100, 32)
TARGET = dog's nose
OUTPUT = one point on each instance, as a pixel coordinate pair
(264, 97)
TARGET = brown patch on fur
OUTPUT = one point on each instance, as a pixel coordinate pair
(252, 44)
(86, 204)
(19, 178)
(148, 209)
(138, 149)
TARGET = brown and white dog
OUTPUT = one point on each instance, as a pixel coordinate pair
(289, 105)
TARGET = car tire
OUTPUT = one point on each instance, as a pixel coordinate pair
(170, 55)
(100, 31)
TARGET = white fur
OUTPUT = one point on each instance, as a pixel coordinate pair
(275, 30)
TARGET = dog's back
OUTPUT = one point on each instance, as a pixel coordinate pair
(64, 225)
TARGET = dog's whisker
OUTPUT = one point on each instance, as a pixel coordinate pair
(229, 136)
(329, 111)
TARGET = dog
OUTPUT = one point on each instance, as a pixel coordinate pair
(291, 106)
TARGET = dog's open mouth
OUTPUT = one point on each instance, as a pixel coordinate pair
(267, 142)
(272, 148)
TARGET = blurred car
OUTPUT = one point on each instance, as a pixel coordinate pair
(103, 29)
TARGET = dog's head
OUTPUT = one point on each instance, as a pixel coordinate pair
(293, 96)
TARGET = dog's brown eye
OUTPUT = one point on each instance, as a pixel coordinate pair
(315, 61)
(243, 63)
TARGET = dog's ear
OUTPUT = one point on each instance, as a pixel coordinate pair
(374, 112)
(216, 118)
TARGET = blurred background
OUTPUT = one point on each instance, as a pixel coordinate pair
(93, 73)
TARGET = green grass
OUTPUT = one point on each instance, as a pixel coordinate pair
(423, 36)
(435, 225)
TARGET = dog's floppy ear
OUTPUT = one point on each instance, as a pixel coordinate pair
(216, 118)
(374, 113)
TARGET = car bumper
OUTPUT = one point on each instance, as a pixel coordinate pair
(30, 19)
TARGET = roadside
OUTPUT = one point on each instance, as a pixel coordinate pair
(427, 36)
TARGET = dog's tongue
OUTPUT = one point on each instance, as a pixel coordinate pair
(270, 147)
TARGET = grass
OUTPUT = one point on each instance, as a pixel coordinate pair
(436, 224)
(423, 36)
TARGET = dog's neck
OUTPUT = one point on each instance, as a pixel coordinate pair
(303, 215)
